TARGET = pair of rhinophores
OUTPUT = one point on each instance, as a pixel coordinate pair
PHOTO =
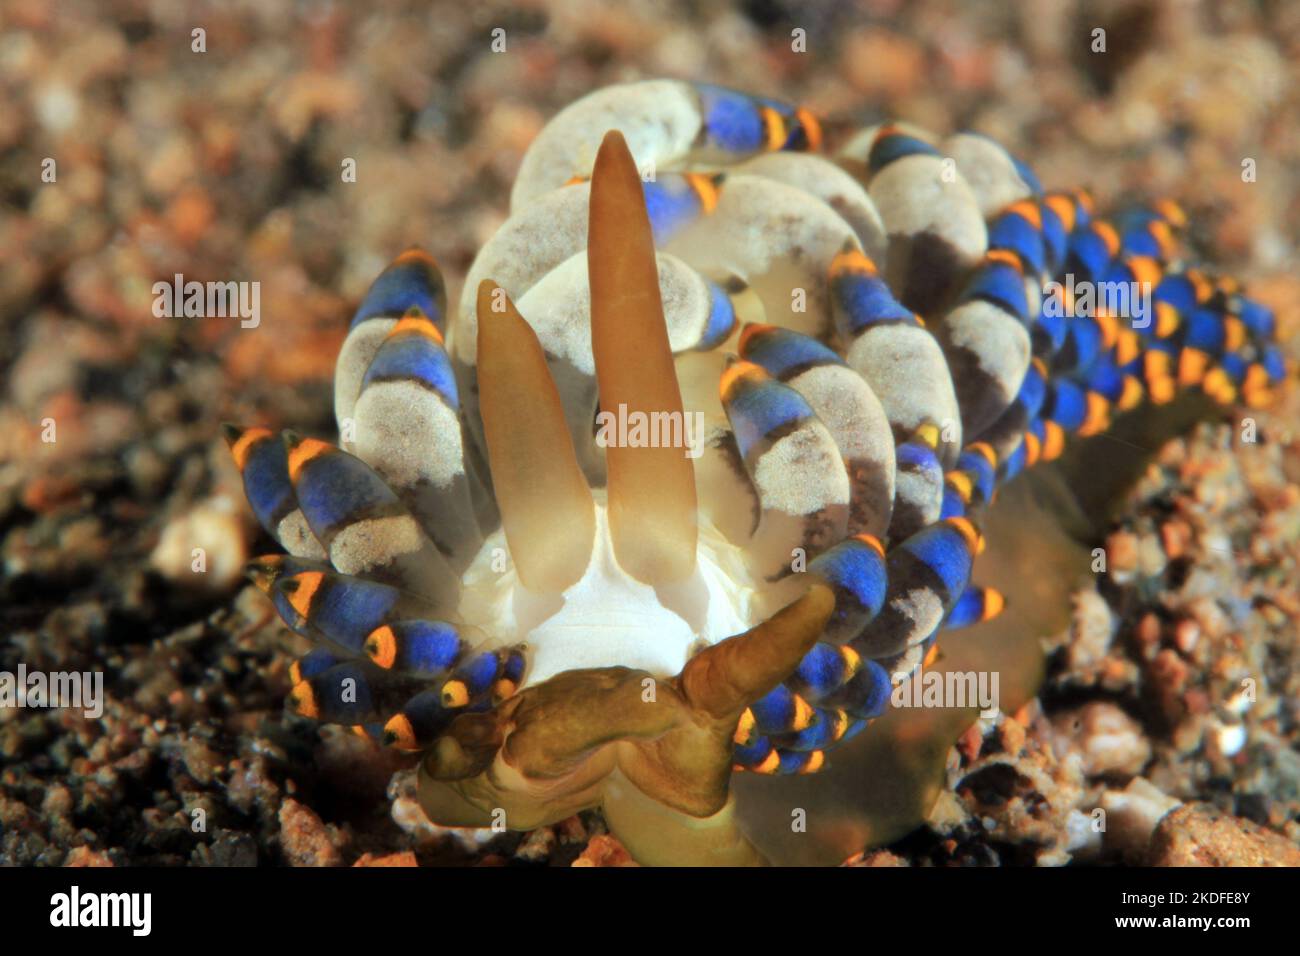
(874, 341)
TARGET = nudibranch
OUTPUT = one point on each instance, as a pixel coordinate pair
(693, 475)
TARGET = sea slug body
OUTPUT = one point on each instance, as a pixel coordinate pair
(851, 353)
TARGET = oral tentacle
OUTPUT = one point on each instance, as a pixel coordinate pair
(670, 740)
(724, 679)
